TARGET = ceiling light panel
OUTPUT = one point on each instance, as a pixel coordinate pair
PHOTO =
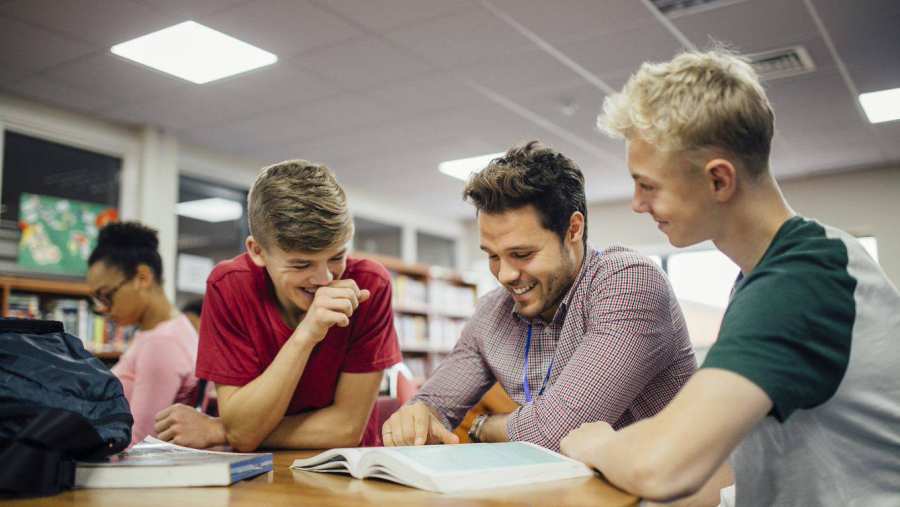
(194, 52)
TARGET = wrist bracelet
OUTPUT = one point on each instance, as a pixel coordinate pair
(475, 430)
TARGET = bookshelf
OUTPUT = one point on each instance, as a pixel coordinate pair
(431, 306)
(66, 301)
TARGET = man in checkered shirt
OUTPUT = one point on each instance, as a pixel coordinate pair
(574, 334)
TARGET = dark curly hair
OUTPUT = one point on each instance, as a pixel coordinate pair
(126, 245)
(531, 174)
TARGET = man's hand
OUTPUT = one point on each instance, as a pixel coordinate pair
(333, 305)
(582, 443)
(415, 425)
(182, 425)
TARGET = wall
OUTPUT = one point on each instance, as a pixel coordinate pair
(865, 202)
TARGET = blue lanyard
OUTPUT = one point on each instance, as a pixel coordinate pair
(525, 385)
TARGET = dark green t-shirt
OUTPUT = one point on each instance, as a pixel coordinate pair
(815, 326)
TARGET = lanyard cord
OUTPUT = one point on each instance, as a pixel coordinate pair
(525, 385)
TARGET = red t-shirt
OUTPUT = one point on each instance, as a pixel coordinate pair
(242, 331)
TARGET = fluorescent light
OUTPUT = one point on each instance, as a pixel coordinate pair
(881, 106)
(464, 167)
(214, 209)
(194, 52)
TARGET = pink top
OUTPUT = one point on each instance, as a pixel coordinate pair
(158, 370)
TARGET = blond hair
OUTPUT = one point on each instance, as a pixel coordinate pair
(698, 100)
(299, 206)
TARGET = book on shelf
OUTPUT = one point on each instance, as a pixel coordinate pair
(449, 468)
(98, 333)
(24, 306)
(409, 292)
(418, 366)
(411, 330)
(450, 299)
(153, 463)
(444, 332)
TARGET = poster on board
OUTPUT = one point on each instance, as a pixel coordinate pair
(58, 235)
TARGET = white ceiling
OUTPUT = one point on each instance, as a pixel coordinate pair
(383, 90)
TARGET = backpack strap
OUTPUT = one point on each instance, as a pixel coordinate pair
(40, 459)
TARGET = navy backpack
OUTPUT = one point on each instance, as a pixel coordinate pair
(58, 404)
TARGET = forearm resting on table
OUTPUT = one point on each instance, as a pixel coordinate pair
(249, 413)
(341, 424)
(675, 453)
(326, 428)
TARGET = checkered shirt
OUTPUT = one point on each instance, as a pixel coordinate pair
(619, 346)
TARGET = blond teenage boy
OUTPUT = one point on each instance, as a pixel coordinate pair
(801, 388)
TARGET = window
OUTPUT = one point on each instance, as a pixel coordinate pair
(704, 277)
(702, 281)
(205, 239)
(82, 185)
(377, 237)
(435, 250)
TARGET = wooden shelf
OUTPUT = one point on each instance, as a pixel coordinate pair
(50, 286)
(426, 349)
(62, 287)
(413, 309)
(108, 355)
(46, 285)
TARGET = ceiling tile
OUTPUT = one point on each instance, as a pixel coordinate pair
(96, 21)
(362, 63)
(819, 126)
(434, 92)
(889, 134)
(862, 37)
(58, 94)
(573, 20)
(117, 78)
(521, 74)
(191, 9)
(606, 55)
(27, 47)
(278, 85)
(385, 15)
(189, 106)
(816, 99)
(287, 126)
(470, 37)
(750, 27)
(9, 75)
(283, 27)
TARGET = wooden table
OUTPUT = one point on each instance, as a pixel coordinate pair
(284, 486)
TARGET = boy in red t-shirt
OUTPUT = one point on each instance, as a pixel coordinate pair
(294, 334)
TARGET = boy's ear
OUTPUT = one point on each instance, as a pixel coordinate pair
(256, 251)
(722, 177)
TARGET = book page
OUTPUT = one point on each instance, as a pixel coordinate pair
(332, 460)
(153, 452)
(473, 458)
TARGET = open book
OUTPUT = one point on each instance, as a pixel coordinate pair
(449, 468)
(153, 463)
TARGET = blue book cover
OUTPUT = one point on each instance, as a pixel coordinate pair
(153, 463)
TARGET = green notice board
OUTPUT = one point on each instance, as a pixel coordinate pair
(58, 235)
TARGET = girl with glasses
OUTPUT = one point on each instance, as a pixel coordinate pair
(125, 279)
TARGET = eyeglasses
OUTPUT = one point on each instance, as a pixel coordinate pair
(102, 301)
